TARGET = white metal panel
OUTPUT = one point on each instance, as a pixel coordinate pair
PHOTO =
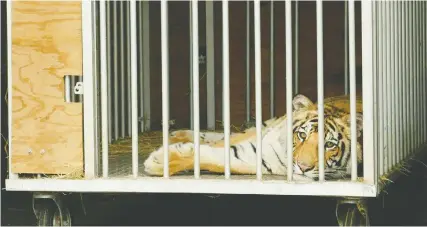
(289, 117)
(321, 116)
(159, 185)
(89, 114)
(134, 87)
(104, 85)
(226, 86)
(195, 93)
(9, 84)
(352, 63)
(165, 84)
(368, 89)
(258, 91)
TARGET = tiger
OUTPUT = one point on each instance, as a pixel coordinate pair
(243, 146)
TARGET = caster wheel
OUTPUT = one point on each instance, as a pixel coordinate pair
(48, 215)
(352, 213)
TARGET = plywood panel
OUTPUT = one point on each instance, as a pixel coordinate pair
(46, 45)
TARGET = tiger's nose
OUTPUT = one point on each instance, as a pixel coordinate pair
(304, 166)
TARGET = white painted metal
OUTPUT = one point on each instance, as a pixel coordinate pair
(191, 68)
(122, 57)
(158, 185)
(388, 109)
(321, 117)
(195, 59)
(296, 48)
(369, 170)
(134, 88)
(272, 59)
(104, 85)
(289, 132)
(381, 91)
(258, 98)
(346, 47)
(165, 84)
(226, 86)
(392, 85)
(210, 65)
(398, 32)
(128, 80)
(352, 64)
(411, 73)
(9, 84)
(109, 73)
(89, 114)
(375, 75)
(146, 123)
(114, 8)
(248, 62)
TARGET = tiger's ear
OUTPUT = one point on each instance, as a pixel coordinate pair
(301, 101)
(359, 123)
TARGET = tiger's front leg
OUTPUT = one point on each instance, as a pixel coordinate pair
(181, 158)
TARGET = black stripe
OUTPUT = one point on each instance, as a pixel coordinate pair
(263, 161)
(277, 155)
(263, 124)
(235, 151)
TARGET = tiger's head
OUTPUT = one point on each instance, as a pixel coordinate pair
(337, 139)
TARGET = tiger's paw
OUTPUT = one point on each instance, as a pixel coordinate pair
(181, 136)
(181, 158)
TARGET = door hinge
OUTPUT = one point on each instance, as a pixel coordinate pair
(73, 88)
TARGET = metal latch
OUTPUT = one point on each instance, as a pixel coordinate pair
(73, 88)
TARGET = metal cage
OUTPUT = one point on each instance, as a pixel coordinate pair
(394, 83)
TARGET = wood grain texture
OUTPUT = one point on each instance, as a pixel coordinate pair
(46, 45)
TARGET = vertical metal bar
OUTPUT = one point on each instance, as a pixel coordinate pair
(418, 81)
(419, 49)
(9, 84)
(385, 81)
(146, 65)
(346, 47)
(411, 76)
(392, 84)
(104, 85)
(248, 62)
(195, 59)
(424, 82)
(407, 81)
(123, 74)
(352, 64)
(191, 68)
(380, 59)
(141, 67)
(210, 64)
(369, 173)
(165, 84)
(296, 47)
(226, 86)
(387, 84)
(109, 73)
(272, 59)
(90, 151)
(321, 117)
(115, 84)
(376, 85)
(289, 132)
(134, 82)
(258, 98)
(129, 66)
(398, 22)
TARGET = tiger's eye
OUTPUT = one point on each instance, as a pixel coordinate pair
(302, 135)
(330, 145)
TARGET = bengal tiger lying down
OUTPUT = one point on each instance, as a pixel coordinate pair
(274, 156)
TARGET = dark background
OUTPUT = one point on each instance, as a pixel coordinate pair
(404, 204)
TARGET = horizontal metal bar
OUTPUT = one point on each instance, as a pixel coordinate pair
(158, 185)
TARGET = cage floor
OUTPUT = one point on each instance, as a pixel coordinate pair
(120, 159)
